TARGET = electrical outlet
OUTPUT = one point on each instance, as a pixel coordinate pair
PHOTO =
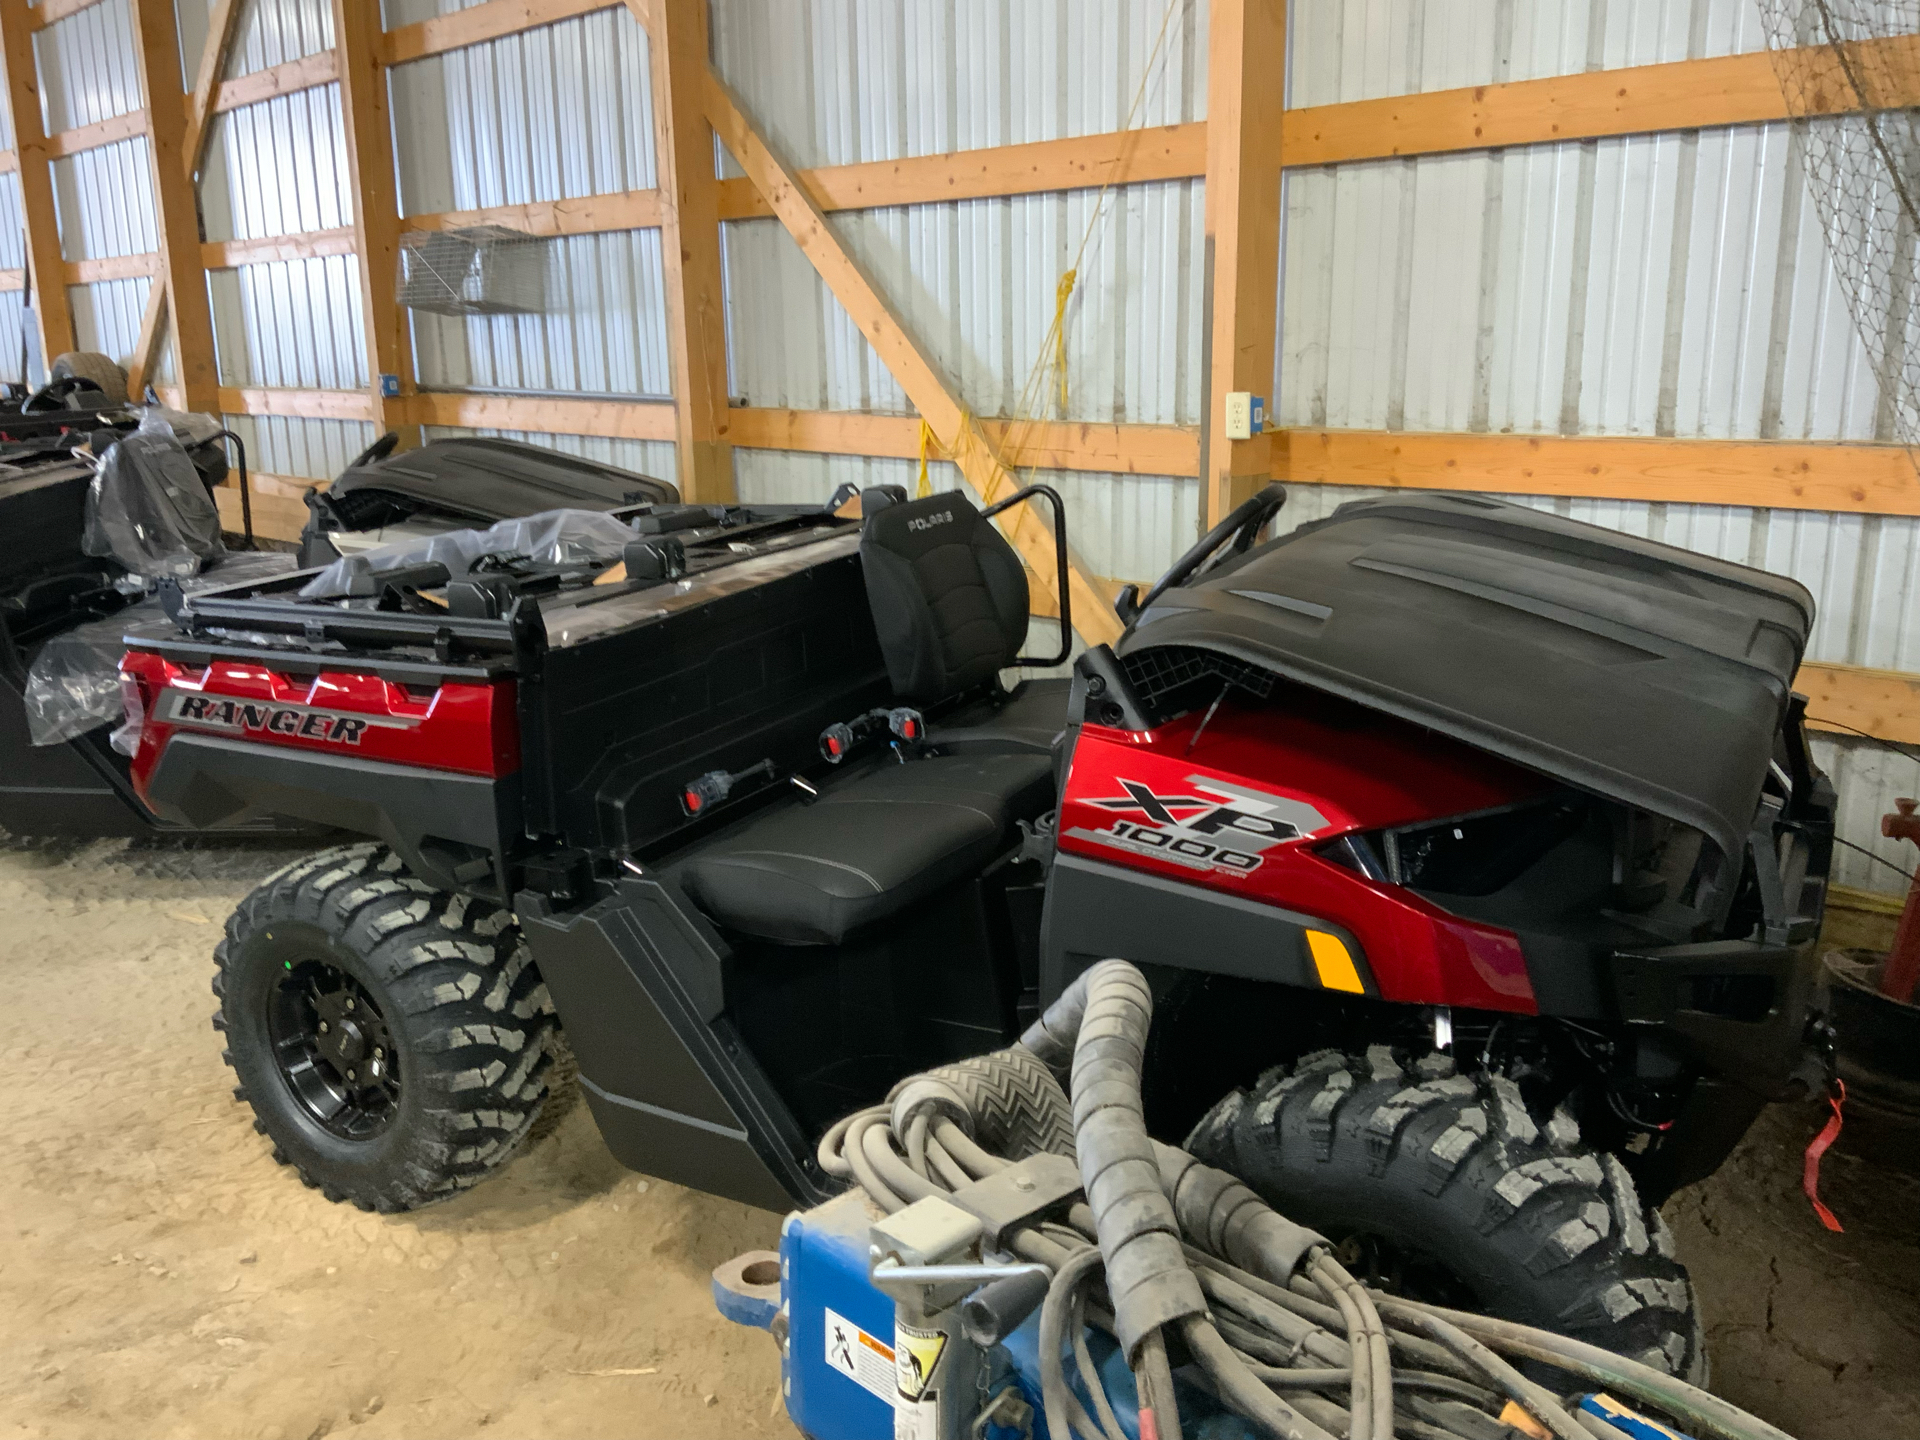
(1246, 414)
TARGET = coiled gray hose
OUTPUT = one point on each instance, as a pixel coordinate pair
(1165, 1246)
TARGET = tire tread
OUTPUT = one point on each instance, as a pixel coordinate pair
(1559, 1227)
(460, 983)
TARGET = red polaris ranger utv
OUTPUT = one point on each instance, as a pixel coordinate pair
(1476, 857)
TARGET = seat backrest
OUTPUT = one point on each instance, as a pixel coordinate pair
(949, 595)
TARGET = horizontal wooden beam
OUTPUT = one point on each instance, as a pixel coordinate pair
(479, 23)
(544, 415)
(1851, 698)
(1860, 479)
(230, 254)
(1729, 90)
(1166, 152)
(1080, 446)
(91, 137)
(299, 404)
(117, 267)
(306, 73)
(587, 215)
(1639, 100)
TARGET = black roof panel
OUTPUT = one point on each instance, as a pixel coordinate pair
(479, 477)
(1635, 670)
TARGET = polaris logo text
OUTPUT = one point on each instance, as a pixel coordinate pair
(301, 722)
(927, 522)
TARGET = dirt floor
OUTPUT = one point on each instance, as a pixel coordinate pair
(160, 1276)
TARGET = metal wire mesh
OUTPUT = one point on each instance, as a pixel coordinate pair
(481, 270)
(1851, 73)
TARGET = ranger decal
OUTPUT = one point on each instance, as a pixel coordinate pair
(263, 717)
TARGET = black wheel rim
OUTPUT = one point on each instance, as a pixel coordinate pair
(1396, 1269)
(334, 1049)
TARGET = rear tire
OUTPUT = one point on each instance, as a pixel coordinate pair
(1445, 1182)
(394, 1041)
(102, 370)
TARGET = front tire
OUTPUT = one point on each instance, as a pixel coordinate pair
(1444, 1186)
(394, 1041)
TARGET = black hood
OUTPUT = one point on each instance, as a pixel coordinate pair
(1637, 671)
(479, 478)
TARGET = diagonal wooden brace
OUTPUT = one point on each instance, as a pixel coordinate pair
(973, 451)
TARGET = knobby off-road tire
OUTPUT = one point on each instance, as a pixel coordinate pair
(443, 985)
(1452, 1172)
(102, 370)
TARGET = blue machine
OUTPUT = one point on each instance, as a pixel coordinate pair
(836, 1332)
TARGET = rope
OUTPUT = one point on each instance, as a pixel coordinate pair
(1053, 348)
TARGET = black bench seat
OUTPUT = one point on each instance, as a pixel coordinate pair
(868, 848)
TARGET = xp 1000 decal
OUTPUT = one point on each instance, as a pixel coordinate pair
(1207, 824)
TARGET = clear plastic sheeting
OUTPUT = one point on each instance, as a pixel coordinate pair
(73, 685)
(148, 507)
(553, 537)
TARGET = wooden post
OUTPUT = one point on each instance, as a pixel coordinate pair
(376, 207)
(46, 270)
(919, 376)
(1246, 55)
(223, 24)
(181, 279)
(690, 244)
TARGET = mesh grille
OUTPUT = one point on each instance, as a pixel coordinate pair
(480, 270)
(1172, 677)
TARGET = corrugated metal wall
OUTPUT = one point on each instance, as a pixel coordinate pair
(279, 167)
(559, 112)
(976, 279)
(103, 198)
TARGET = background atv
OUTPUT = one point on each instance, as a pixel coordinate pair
(63, 611)
(1475, 857)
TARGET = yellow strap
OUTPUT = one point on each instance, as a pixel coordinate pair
(1062, 293)
(928, 441)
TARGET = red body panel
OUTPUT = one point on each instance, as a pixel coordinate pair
(1245, 807)
(471, 729)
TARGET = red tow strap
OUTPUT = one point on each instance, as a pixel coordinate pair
(1810, 1180)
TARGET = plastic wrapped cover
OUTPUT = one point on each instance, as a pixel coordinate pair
(190, 427)
(147, 507)
(553, 537)
(73, 685)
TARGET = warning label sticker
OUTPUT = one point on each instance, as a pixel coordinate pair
(860, 1357)
(916, 1357)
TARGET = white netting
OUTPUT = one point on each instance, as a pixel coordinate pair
(1851, 73)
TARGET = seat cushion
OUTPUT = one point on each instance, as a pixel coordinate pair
(1028, 720)
(868, 848)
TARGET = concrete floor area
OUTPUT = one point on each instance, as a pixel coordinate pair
(160, 1277)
